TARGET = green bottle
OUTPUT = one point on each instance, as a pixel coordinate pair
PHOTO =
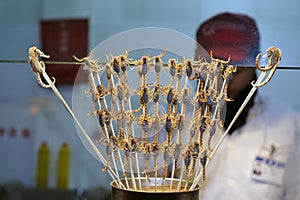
(63, 165)
(42, 169)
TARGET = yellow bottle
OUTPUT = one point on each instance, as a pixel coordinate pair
(63, 165)
(42, 169)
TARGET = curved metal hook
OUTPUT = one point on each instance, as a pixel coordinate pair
(274, 57)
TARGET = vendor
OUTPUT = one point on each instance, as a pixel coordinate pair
(260, 159)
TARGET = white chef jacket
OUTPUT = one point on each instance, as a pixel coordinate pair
(230, 172)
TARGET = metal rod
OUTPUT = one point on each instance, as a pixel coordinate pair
(79, 63)
(46, 62)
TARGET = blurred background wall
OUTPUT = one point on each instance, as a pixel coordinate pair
(26, 106)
